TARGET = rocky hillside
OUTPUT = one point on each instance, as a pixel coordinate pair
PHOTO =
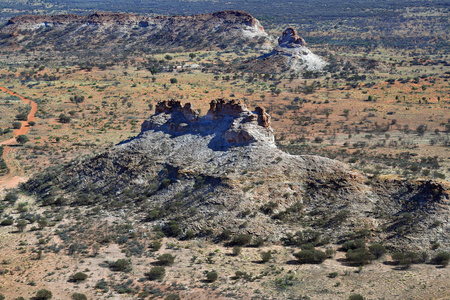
(291, 55)
(223, 170)
(106, 32)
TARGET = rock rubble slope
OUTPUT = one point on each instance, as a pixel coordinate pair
(223, 170)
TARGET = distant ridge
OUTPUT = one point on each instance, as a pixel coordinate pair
(120, 32)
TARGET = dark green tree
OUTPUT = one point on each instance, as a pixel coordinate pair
(22, 139)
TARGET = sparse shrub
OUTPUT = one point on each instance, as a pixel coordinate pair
(266, 256)
(405, 259)
(156, 245)
(7, 222)
(2, 297)
(225, 235)
(78, 296)
(172, 229)
(11, 198)
(166, 259)
(156, 273)
(211, 276)
(102, 285)
(21, 224)
(78, 277)
(121, 265)
(377, 250)
(307, 246)
(258, 242)
(237, 250)
(269, 207)
(353, 244)
(442, 259)
(310, 256)
(241, 239)
(22, 117)
(360, 256)
(22, 139)
(64, 119)
(189, 235)
(333, 274)
(43, 295)
(356, 297)
(173, 297)
(330, 252)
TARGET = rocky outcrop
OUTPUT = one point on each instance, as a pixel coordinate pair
(290, 55)
(231, 121)
(171, 106)
(223, 170)
(290, 39)
(113, 30)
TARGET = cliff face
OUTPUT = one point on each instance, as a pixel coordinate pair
(114, 31)
(223, 170)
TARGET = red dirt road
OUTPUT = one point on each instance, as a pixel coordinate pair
(13, 179)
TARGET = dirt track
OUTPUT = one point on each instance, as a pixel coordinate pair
(13, 178)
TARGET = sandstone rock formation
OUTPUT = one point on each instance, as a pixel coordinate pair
(232, 121)
(290, 55)
(223, 170)
(290, 39)
(113, 30)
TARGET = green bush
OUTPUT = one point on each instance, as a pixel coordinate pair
(172, 229)
(353, 244)
(43, 295)
(11, 198)
(156, 245)
(442, 259)
(333, 274)
(21, 224)
(266, 256)
(241, 239)
(356, 297)
(7, 222)
(189, 235)
(360, 256)
(310, 256)
(405, 259)
(156, 273)
(78, 277)
(237, 250)
(330, 252)
(78, 296)
(121, 265)
(211, 276)
(172, 297)
(2, 297)
(166, 259)
(225, 235)
(258, 241)
(377, 250)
